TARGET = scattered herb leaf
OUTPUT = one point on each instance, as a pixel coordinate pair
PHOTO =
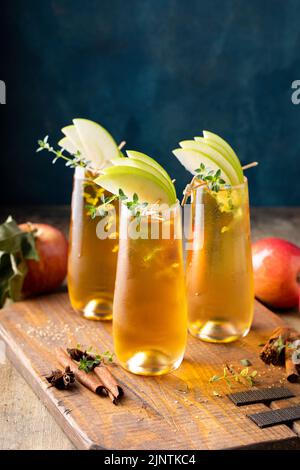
(244, 376)
(245, 362)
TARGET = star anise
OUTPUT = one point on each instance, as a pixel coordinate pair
(61, 379)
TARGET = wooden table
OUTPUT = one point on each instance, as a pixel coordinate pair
(25, 422)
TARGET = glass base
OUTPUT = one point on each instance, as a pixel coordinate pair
(217, 331)
(98, 309)
(151, 362)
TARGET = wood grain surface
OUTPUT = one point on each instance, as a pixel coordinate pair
(177, 411)
(25, 422)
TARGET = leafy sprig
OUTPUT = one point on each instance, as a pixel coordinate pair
(212, 178)
(279, 345)
(73, 161)
(136, 207)
(90, 360)
(243, 376)
(103, 209)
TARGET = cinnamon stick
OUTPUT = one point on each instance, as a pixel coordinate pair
(90, 380)
(273, 350)
(115, 392)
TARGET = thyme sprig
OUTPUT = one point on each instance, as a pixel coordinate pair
(136, 207)
(244, 376)
(103, 209)
(212, 178)
(73, 161)
(88, 359)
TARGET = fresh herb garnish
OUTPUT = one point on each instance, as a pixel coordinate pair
(212, 178)
(279, 345)
(136, 207)
(88, 364)
(243, 376)
(104, 208)
(87, 359)
(75, 160)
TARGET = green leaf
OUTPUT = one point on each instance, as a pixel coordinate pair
(15, 247)
(16, 279)
(228, 382)
(122, 195)
(245, 362)
(28, 246)
(214, 378)
(10, 236)
(244, 372)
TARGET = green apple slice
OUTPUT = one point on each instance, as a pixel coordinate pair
(191, 160)
(228, 150)
(214, 155)
(66, 144)
(142, 165)
(98, 144)
(236, 164)
(72, 135)
(134, 180)
(132, 154)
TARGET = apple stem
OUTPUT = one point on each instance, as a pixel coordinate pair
(122, 144)
(249, 165)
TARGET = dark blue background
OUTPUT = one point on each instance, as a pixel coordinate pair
(152, 72)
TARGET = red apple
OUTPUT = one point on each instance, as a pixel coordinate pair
(47, 274)
(276, 265)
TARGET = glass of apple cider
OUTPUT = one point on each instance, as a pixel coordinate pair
(149, 312)
(219, 265)
(92, 255)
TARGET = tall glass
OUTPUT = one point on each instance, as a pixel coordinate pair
(149, 314)
(92, 250)
(219, 265)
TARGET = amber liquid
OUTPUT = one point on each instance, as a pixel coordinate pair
(92, 261)
(219, 266)
(150, 319)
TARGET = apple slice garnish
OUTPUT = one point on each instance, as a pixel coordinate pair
(73, 137)
(98, 144)
(142, 165)
(223, 152)
(191, 160)
(134, 155)
(232, 156)
(66, 144)
(216, 158)
(132, 180)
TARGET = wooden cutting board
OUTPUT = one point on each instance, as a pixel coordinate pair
(177, 411)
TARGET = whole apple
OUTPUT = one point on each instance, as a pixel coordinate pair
(276, 264)
(47, 274)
